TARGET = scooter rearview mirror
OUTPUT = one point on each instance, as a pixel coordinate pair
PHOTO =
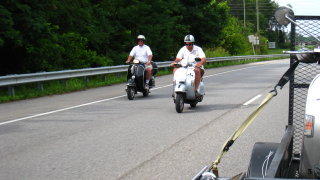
(285, 15)
(281, 15)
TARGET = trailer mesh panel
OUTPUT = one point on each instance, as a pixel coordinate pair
(303, 75)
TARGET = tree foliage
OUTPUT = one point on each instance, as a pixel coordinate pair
(247, 12)
(233, 37)
(50, 35)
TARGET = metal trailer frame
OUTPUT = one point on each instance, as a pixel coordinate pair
(286, 159)
(285, 162)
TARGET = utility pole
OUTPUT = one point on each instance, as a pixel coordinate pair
(244, 13)
(258, 30)
(257, 9)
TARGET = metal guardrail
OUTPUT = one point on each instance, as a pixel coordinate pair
(12, 80)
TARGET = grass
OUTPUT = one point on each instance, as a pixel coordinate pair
(276, 51)
(32, 90)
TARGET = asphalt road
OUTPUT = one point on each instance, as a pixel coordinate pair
(100, 134)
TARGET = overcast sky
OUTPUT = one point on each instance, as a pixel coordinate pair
(302, 7)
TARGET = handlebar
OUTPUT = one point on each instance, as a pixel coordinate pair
(176, 65)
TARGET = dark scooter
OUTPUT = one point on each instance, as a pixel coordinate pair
(136, 79)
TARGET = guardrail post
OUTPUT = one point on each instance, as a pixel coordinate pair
(86, 80)
(11, 91)
(40, 86)
(64, 82)
(104, 78)
(119, 75)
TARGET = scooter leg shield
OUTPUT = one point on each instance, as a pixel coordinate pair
(139, 78)
(129, 73)
(180, 88)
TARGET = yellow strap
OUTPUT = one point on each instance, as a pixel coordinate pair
(240, 130)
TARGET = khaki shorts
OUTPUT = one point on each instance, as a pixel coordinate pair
(148, 66)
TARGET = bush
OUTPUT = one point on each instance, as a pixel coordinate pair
(284, 45)
(235, 41)
(216, 52)
(263, 45)
(75, 55)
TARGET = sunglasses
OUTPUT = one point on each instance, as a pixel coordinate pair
(139, 40)
(188, 44)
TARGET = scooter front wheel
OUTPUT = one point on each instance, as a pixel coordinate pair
(131, 93)
(179, 103)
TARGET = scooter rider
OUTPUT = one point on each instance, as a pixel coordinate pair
(144, 54)
(190, 52)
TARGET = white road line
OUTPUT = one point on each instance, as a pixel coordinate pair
(251, 100)
(59, 110)
(160, 87)
(226, 72)
(94, 102)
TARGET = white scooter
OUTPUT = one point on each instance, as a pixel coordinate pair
(183, 85)
(310, 156)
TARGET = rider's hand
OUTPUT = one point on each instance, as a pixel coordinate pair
(172, 64)
(198, 65)
(148, 63)
(127, 61)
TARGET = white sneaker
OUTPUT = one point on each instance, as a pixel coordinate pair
(146, 86)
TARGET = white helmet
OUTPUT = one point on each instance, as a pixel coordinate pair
(141, 37)
(189, 38)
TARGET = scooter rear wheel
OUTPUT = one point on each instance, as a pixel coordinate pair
(131, 93)
(145, 93)
(179, 103)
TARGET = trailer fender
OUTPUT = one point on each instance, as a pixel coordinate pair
(261, 157)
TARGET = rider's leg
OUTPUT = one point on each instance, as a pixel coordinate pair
(148, 72)
(129, 74)
(174, 70)
(197, 78)
(148, 75)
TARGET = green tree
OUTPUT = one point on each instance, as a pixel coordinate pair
(234, 39)
(206, 20)
(48, 35)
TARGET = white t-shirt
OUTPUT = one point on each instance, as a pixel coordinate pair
(190, 56)
(141, 52)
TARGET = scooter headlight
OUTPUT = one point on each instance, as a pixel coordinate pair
(184, 63)
(308, 125)
(136, 61)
